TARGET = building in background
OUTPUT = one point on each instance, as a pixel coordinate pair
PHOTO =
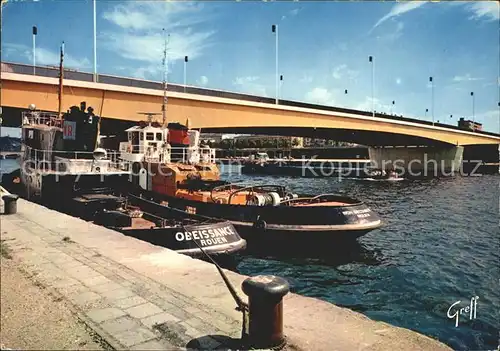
(268, 141)
(314, 142)
(211, 138)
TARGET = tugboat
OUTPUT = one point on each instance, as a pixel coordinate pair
(170, 166)
(61, 163)
(62, 168)
(172, 228)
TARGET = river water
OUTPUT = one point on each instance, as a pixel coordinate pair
(440, 244)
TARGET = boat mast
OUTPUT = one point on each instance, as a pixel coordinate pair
(61, 77)
(165, 73)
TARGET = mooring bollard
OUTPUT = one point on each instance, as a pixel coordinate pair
(265, 310)
(10, 204)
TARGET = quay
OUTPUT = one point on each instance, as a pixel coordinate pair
(134, 295)
(298, 161)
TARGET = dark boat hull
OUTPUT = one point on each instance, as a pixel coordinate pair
(284, 226)
(182, 232)
(83, 195)
(168, 237)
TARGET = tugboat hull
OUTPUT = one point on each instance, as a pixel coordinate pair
(174, 229)
(286, 225)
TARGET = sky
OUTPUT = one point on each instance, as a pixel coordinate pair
(323, 49)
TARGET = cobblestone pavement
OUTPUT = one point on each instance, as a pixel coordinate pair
(126, 308)
(29, 313)
(135, 295)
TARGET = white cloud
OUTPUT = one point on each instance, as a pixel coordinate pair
(343, 72)
(245, 80)
(149, 48)
(465, 78)
(306, 78)
(321, 96)
(144, 15)
(378, 106)
(250, 85)
(141, 36)
(291, 13)
(489, 10)
(45, 56)
(392, 36)
(202, 81)
(400, 9)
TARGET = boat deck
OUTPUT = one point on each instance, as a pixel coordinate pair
(140, 223)
(315, 204)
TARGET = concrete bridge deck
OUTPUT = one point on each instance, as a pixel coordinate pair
(121, 98)
(135, 295)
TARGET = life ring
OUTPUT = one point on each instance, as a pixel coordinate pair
(260, 224)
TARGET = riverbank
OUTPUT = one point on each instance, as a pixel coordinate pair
(135, 295)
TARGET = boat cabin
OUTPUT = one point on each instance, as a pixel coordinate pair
(64, 144)
(151, 142)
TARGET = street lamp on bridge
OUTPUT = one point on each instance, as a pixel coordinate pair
(473, 106)
(281, 86)
(186, 59)
(432, 98)
(274, 29)
(370, 59)
(35, 32)
(392, 105)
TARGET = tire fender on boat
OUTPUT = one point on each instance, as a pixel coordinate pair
(259, 224)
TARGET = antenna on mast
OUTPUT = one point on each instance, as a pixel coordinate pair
(61, 77)
(150, 116)
(165, 73)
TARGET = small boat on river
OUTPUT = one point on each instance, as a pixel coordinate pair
(169, 165)
(172, 228)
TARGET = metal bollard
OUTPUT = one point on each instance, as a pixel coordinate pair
(10, 204)
(265, 308)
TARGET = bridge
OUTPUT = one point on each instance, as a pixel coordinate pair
(119, 99)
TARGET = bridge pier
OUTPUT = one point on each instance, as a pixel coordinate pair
(418, 161)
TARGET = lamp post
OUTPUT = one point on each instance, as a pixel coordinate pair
(95, 40)
(426, 111)
(392, 105)
(370, 59)
(473, 106)
(2, 2)
(186, 59)
(432, 98)
(35, 31)
(274, 29)
(281, 87)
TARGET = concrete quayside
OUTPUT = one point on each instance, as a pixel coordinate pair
(135, 295)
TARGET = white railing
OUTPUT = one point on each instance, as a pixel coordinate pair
(191, 155)
(71, 161)
(39, 117)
